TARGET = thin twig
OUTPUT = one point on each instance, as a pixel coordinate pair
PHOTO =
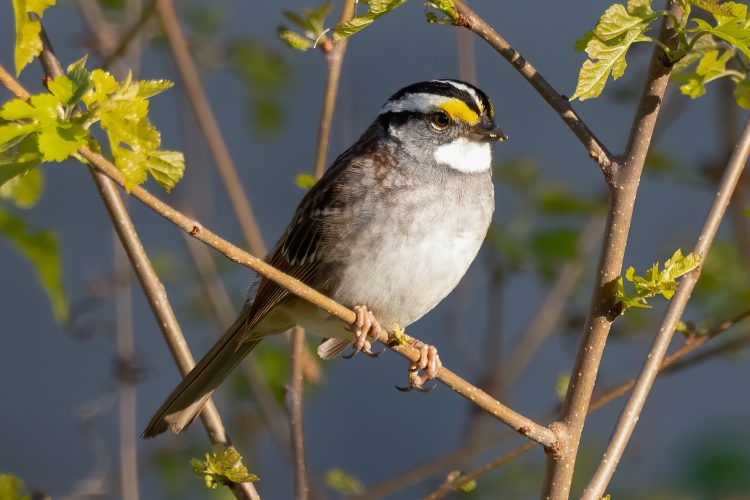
(335, 61)
(126, 380)
(153, 288)
(632, 411)
(468, 19)
(208, 124)
(677, 361)
(623, 190)
(294, 408)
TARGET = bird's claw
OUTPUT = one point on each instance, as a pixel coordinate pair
(428, 363)
(365, 325)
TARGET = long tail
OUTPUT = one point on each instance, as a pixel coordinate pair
(188, 398)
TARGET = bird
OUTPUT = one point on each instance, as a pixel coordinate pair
(389, 230)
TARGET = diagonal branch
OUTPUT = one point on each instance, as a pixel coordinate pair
(520, 423)
(335, 61)
(632, 411)
(623, 191)
(676, 361)
(468, 19)
(153, 288)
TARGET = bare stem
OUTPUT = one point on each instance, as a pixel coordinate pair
(152, 287)
(335, 61)
(294, 407)
(623, 190)
(677, 361)
(208, 124)
(468, 19)
(632, 411)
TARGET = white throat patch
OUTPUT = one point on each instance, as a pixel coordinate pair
(464, 155)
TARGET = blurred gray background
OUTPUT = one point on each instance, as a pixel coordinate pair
(58, 424)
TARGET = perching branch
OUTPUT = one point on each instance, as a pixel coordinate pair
(153, 288)
(521, 424)
(632, 411)
(210, 127)
(676, 361)
(468, 19)
(623, 190)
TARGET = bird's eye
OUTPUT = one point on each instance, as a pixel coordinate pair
(440, 120)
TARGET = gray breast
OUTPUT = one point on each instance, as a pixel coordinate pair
(418, 240)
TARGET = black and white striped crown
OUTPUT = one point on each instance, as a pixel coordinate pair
(424, 97)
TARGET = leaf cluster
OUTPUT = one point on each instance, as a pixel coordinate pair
(655, 281)
(377, 8)
(705, 50)
(222, 466)
(53, 126)
(312, 24)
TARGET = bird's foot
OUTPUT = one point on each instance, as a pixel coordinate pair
(429, 363)
(365, 326)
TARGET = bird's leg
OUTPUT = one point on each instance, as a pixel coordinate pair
(429, 363)
(365, 325)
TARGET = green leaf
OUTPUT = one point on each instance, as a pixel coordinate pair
(25, 156)
(742, 93)
(167, 167)
(656, 282)
(582, 42)
(294, 40)
(23, 190)
(11, 488)
(617, 29)
(733, 27)
(28, 43)
(561, 385)
(560, 200)
(42, 250)
(377, 9)
(710, 67)
(222, 466)
(343, 482)
(553, 247)
(305, 181)
(446, 7)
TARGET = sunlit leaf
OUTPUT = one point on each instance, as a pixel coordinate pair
(377, 9)
(11, 488)
(42, 250)
(28, 43)
(343, 482)
(23, 190)
(305, 181)
(222, 466)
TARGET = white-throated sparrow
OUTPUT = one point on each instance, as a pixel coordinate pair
(389, 230)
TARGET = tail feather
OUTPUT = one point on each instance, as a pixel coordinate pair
(187, 399)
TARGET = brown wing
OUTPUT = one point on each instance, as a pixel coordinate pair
(298, 252)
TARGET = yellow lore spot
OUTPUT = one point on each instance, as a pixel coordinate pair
(459, 111)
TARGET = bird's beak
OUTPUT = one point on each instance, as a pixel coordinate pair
(487, 131)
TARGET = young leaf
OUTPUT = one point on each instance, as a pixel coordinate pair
(305, 181)
(377, 9)
(28, 43)
(617, 29)
(11, 488)
(445, 7)
(710, 67)
(742, 93)
(222, 466)
(42, 250)
(732, 25)
(294, 40)
(343, 482)
(23, 190)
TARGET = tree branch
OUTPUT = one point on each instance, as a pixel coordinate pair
(632, 411)
(335, 60)
(676, 361)
(623, 190)
(208, 124)
(153, 289)
(468, 19)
